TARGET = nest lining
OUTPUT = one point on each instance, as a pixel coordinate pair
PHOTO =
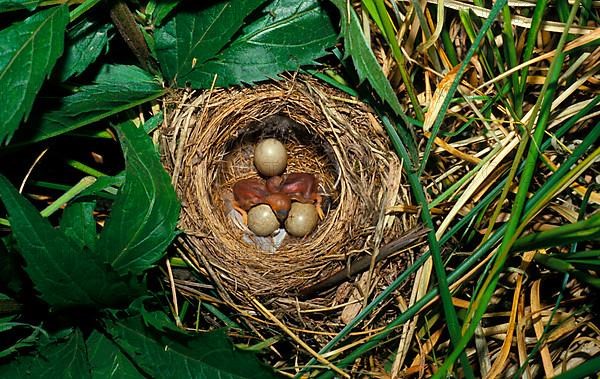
(207, 146)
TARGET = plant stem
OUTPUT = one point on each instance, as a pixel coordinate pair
(130, 31)
(85, 168)
(84, 183)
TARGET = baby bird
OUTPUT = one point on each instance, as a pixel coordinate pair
(250, 192)
(300, 187)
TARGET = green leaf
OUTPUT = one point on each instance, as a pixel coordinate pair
(144, 216)
(28, 51)
(157, 320)
(162, 8)
(154, 122)
(179, 355)
(11, 274)
(84, 43)
(60, 359)
(79, 225)
(34, 337)
(367, 67)
(288, 34)
(64, 275)
(107, 360)
(13, 5)
(196, 36)
(118, 87)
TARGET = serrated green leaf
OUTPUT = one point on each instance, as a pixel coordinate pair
(357, 47)
(28, 52)
(13, 5)
(289, 34)
(60, 359)
(64, 275)
(193, 37)
(84, 43)
(144, 216)
(117, 88)
(179, 355)
(78, 223)
(107, 360)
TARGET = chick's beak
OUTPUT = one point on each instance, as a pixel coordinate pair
(281, 215)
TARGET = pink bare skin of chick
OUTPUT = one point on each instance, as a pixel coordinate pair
(299, 187)
(250, 192)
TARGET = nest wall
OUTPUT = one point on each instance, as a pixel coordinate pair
(207, 145)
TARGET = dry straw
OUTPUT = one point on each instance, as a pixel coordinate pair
(207, 145)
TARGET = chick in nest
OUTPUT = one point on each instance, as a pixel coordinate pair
(250, 192)
(300, 187)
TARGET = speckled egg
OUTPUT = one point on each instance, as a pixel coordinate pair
(302, 219)
(270, 157)
(262, 220)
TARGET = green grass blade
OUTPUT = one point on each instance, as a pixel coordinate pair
(514, 227)
(559, 182)
(449, 48)
(586, 7)
(67, 196)
(82, 8)
(583, 255)
(492, 45)
(511, 51)
(372, 10)
(588, 230)
(588, 368)
(390, 36)
(498, 5)
(536, 22)
(365, 63)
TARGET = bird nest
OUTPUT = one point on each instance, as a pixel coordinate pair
(207, 145)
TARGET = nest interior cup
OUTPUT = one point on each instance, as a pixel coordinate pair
(207, 145)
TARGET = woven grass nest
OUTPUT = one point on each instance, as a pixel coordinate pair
(207, 145)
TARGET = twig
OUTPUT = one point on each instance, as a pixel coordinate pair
(363, 263)
(298, 340)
